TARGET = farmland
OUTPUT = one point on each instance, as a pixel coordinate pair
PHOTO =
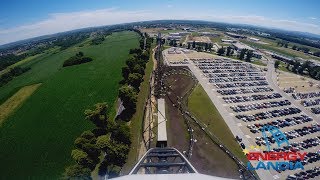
(37, 139)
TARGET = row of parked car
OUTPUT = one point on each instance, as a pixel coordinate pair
(295, 133)
(269, 114)
(298, 96)
(208, 74)
(315, 110)
(256, 106)
(299, 146)
(310, 102)
(254, 97)
(280, 123)
(289, 90)
(244, 90)
(307, 174)
(233, 79)
(242, 84)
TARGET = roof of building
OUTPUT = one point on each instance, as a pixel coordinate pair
(242, 46)
(162, 128)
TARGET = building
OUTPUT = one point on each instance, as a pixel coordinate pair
(254, 39)
(234, 35)
(239, 46)
(228, 40)
(281, 58)
(162, 128)
(211, 34)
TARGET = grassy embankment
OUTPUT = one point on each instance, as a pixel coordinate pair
(202, 107)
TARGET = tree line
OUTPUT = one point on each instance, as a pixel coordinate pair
(8, 60)
(13, 72)
(110, 138)
(200, 46)
(132, 75)
(79, 58)
(306, 68)
(245, 54)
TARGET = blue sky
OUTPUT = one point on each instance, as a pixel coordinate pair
(29, 18)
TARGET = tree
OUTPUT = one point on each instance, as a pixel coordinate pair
(242, 54)
(80, 141)
(104, 142)
(98, 116)
(122, 134)
(77, 172)
(221, 51)
(249, 55)
(295, 67)
(294, 47)
(128, 96)
(138, 69)
(125, 72)
(80, 54)
(276, 64)
(317, 53)
(82, 158)
(87, 135)
(131, 62)
(134, 80)
(228, 51)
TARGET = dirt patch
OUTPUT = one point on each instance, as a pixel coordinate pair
(206, 157)
(209, 159)
(177, 130)
(15, 101)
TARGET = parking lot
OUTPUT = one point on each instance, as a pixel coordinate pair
(246, 94)
(247, 102)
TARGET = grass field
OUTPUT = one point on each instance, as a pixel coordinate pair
(136, 120)
(201, 106)
(36, 141)
(15, 101)
(272, 46)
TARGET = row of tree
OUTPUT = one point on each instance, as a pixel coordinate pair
(246, 55)
(283, 44)
(200, 46)
(306, 68)
(14, 72)
(109, 138)
(79, 58)
(303, 49)
(132, 75)
(10, 59)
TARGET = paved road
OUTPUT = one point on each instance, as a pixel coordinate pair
(272, 80)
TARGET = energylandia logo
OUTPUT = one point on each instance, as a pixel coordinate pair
(268, 159)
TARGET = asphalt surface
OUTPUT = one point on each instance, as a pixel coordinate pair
(272, 80)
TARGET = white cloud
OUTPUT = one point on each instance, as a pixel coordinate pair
(59, 22)
(313, 18)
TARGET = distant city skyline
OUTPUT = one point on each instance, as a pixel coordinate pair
(26, 19)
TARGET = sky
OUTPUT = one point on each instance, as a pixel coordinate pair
(23, 19)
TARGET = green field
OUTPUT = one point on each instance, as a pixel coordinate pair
(272, 46)
(36, 141)
(202, 107)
